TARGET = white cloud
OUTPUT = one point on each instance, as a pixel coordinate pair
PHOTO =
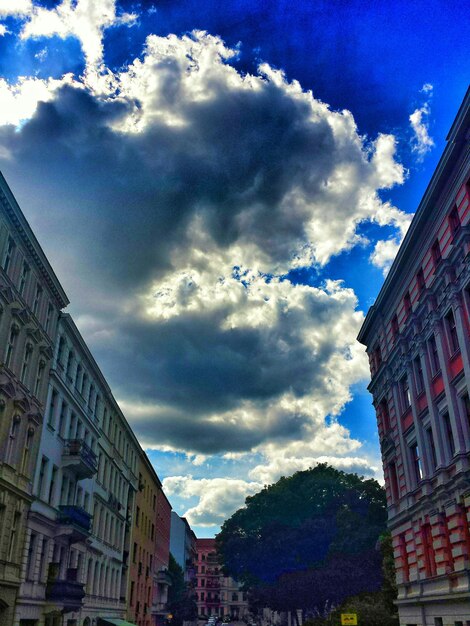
(218, 497)
(422, 141)
(84, 19)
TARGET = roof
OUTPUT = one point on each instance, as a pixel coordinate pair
(455, 140)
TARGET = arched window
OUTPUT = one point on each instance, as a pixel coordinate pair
(12, 440)
(25, 462)
(39, 377)
(26, 362)
(12, 337)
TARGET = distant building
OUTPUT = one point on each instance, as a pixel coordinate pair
(418, 340)
(217, 594)
(162, 580)
(183, 545)
(31, 298)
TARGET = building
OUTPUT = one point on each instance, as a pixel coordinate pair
(149, 579)
(183, 546)
(30, 300)
(417, 338)
(217, 594)
(74, 566)
(162, 580)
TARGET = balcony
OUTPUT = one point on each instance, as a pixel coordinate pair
(162, 577)
(67, 592)
(73, 522)
(79, 458)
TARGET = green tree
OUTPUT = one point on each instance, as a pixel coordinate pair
(181, 602)
(309, 541)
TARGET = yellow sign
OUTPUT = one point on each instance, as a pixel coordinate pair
(348, 619)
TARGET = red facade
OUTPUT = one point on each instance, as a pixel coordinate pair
(418, 341)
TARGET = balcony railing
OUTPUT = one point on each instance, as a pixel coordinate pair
(74, 522)
(68, 592)
(80, 458)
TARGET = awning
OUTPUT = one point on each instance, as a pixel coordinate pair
(113, 621)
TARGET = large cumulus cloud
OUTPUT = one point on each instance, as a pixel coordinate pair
(173, 198)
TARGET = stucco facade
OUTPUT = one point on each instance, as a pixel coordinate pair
(417, 337)
(30, 300)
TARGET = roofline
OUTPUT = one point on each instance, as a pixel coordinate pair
(449, 156)
(19, 220)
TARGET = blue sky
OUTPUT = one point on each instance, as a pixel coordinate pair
(152, 160)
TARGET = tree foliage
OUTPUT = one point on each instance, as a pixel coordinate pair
(181, 603)
(309, 541)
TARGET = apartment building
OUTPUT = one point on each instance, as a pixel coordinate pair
(183, 546)
(417, 336)
(31, 298)
(84, 488)
(217, 595)
(162, 580)
(149, 579)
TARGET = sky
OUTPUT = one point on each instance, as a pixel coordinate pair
(221, 189)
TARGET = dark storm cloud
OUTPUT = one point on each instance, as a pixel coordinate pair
(193, 168)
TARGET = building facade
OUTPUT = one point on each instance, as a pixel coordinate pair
(217, 595)
(183, 546)
(149, 579)
(162, 580)
(30, 300)
(417, 336)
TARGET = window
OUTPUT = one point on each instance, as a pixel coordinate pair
(454, 221)
(30, 559)
(69, 363)
(436, 253)
(404, 557)
(377, 357)
(428, 547)
(452, 332)
(384, 412)
(420, 281)
(48, 318)
(37, 299)
(62, 416)
(449, 433)
(134, 553)
(39, 377)
(26, 362)
(466, 408)
(42, 472)
(27, 451)
(13, 538)
(419, 375)
(432, 447)
(60, 350)
(407, 303)
(416, 461)
(11, 344)
(433, 355)
(131, 599)
(52, 485)
(23, 278)
(393, 476)
(137, 514)
(405, 393)
(10, 249)
(395, 327)
(11, 445)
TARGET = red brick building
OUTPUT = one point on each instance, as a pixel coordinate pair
(417, 338)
